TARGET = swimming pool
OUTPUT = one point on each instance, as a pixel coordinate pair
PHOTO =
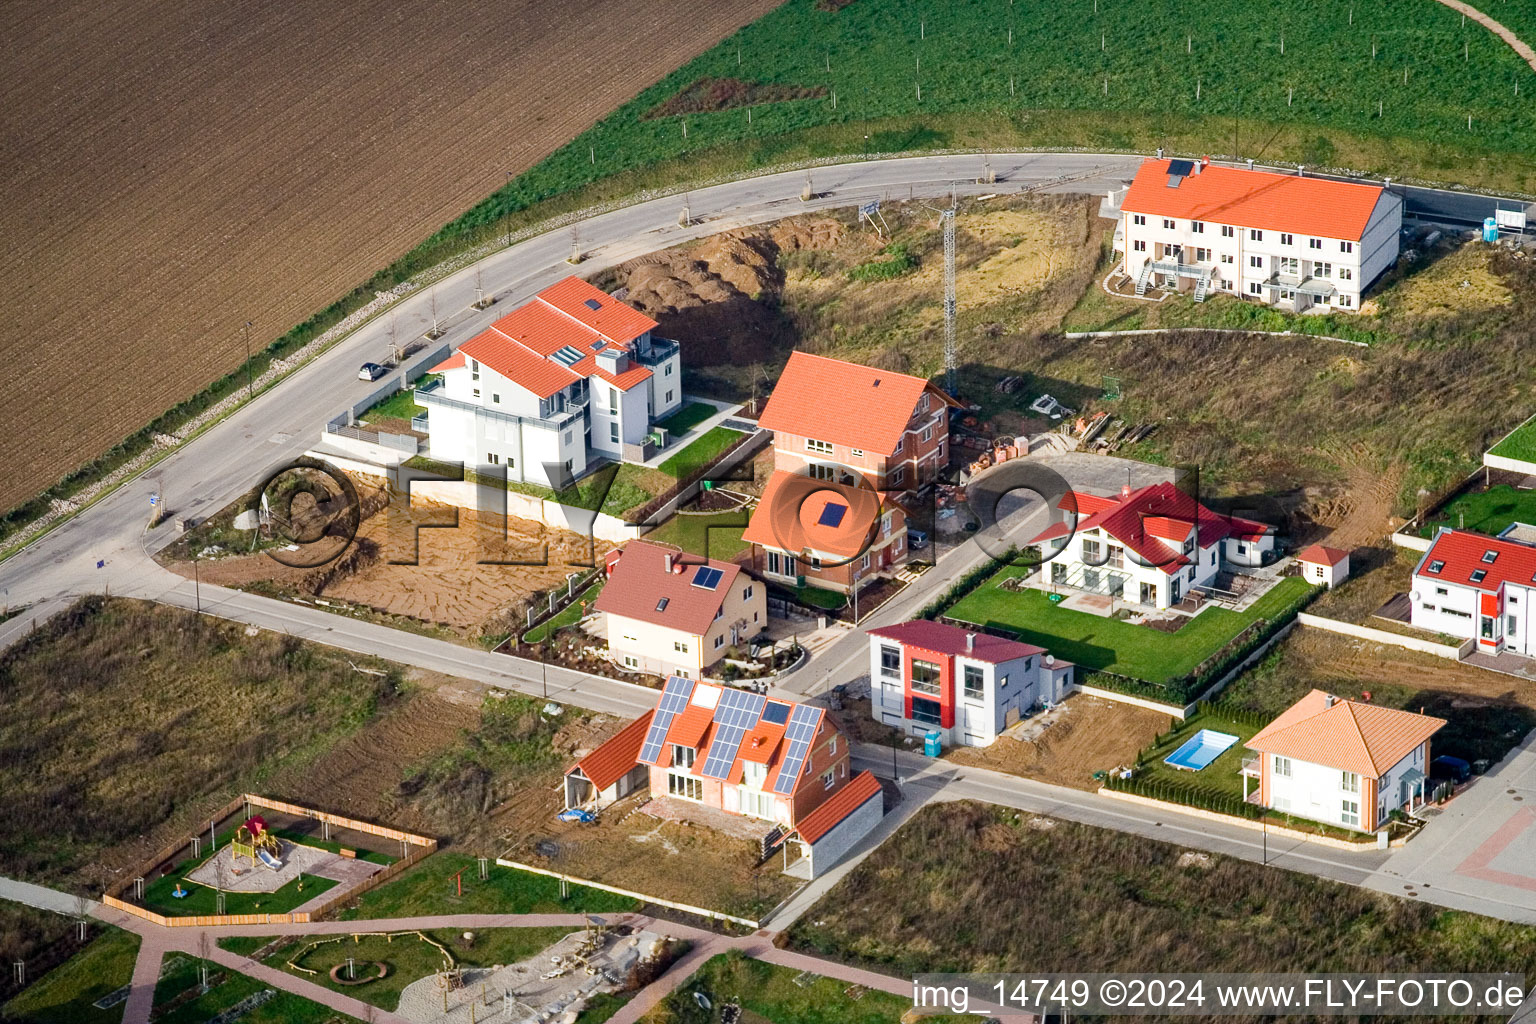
(1200, 750)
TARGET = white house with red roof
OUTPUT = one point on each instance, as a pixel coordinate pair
(778, 761)
(1477, 587)
(1296, 242)
(1343, 762)
(1152, 546)
(669, 612)
(572, 376)
(1322, 564)
(928, 676)
(848, 440)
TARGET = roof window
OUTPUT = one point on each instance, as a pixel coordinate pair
(1489, 557)
(1479, 575)
(1436, 565)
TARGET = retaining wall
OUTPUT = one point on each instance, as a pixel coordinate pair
(642, 897)
(1381, 636)
(1365, 844)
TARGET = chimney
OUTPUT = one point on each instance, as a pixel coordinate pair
(1250, 163)
(1301, 170)
(1328, 700)
(970, 643)
(1125, 491)
(666, 562)
(1196, 167)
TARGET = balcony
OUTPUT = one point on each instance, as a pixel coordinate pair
(659, 351)
(1316, 287)
(1250, 767)
(430, 395)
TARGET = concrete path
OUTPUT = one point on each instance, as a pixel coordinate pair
(1526, 53)
(28, 619)
(44, 898)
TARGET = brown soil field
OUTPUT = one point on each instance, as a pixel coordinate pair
(173, 169)
(1087, 734)
(446, 586)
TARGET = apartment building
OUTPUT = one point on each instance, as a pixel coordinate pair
(568, 380)
(1300, 243)
(848, 440)
(928, 676)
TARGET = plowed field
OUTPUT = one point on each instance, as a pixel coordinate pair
(173, 169)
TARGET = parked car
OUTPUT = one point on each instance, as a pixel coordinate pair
(1447, 767)
(371, 371)
(916, 539)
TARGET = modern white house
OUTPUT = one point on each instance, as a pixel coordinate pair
(1473, 586)
(1342, 762)
(1298, 243)
(570, 379)
(1153, 546)
(928, 676)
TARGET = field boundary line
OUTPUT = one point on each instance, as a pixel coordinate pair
(658, 901)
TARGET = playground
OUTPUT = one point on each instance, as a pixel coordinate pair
(284, 860)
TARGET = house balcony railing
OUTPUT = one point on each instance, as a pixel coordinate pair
(1317, 287)
(1177, 267)
(430, 395)
(1250, 767)
(660, 350)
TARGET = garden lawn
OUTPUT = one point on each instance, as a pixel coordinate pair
(1487, 512)
(1223, 775)
(399, 406)
(686, 418)
(567, 616)
(65, 994)
(700, 453)
(1519, 444)
(409, 958)
(429, 888)
(711, 536)
(282, 1008)
(201, 900)
(771, 993)
(1098, 643)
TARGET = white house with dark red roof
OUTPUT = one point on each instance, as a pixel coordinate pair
(847, 441)
(1322, 564)
(1477, 587)
(1151, 546)
(669, 612)
(926, 676)
(778, 761)
(1300, 243)
(572, 376)
(1343, 762)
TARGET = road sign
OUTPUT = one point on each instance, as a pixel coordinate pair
(870, 208)
(1507, 218)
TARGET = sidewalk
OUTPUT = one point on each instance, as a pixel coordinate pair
(44, 898)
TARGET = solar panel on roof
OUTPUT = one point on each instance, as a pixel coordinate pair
(832, 514)
(735, 716)
(776, 713)
(707, 577)
(800, 732)
(1183, 168)
(674, 697)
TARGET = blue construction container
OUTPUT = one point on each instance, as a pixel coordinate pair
(1490, 230)
(931, 745)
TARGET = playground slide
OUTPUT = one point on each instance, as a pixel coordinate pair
(269, 860)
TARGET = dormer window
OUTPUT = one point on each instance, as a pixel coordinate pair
(1489, 557)
(1479, 575)
(1436, 565)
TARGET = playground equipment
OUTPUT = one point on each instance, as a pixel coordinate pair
(254, 842)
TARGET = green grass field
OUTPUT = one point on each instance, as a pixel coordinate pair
(429, 888)
(1520, 444)
(230, 988)
(700, 453)
(408, 957)
(65, 994)
(686, 418)
(1095, 642)
(712, 536)
(567, 616)
(1223, 775)
(1487, 511)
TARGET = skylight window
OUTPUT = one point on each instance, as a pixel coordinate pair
(1479, 575)
(661, 605)
(832, 515)
(1436, 565)
(775, 713)
(1489, 557)
(567, 355)
(593, 304)
(707, 577)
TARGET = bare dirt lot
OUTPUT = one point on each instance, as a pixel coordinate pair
(450, 583)
(1084, 735)
(174, 169)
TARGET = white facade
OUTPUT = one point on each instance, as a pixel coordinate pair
(481, 418)
(1301, 273)
(1338, 797)
(1095, 561)
(1457, 610)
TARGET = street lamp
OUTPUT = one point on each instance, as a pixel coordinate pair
(506, 214)
(248, 383)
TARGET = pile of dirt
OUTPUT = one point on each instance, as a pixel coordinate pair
(1085, 735)
(1460, 282)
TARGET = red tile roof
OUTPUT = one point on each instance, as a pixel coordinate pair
(1142, 519)
(861, 788)
(453, 362)
(689, 727)
(639, 583)
(614, 320)
(1463, 552)
(789, 516)
(517, 363)
(1255, 199)
(1320, 555)
(1367, 739)
(845, 403)
(614, 758)
(945, 639)
(632, 377)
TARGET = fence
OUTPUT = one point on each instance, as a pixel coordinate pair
(670, 500)
(418, 847)
(1381, 636)
(558, 599)
(642, 897)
